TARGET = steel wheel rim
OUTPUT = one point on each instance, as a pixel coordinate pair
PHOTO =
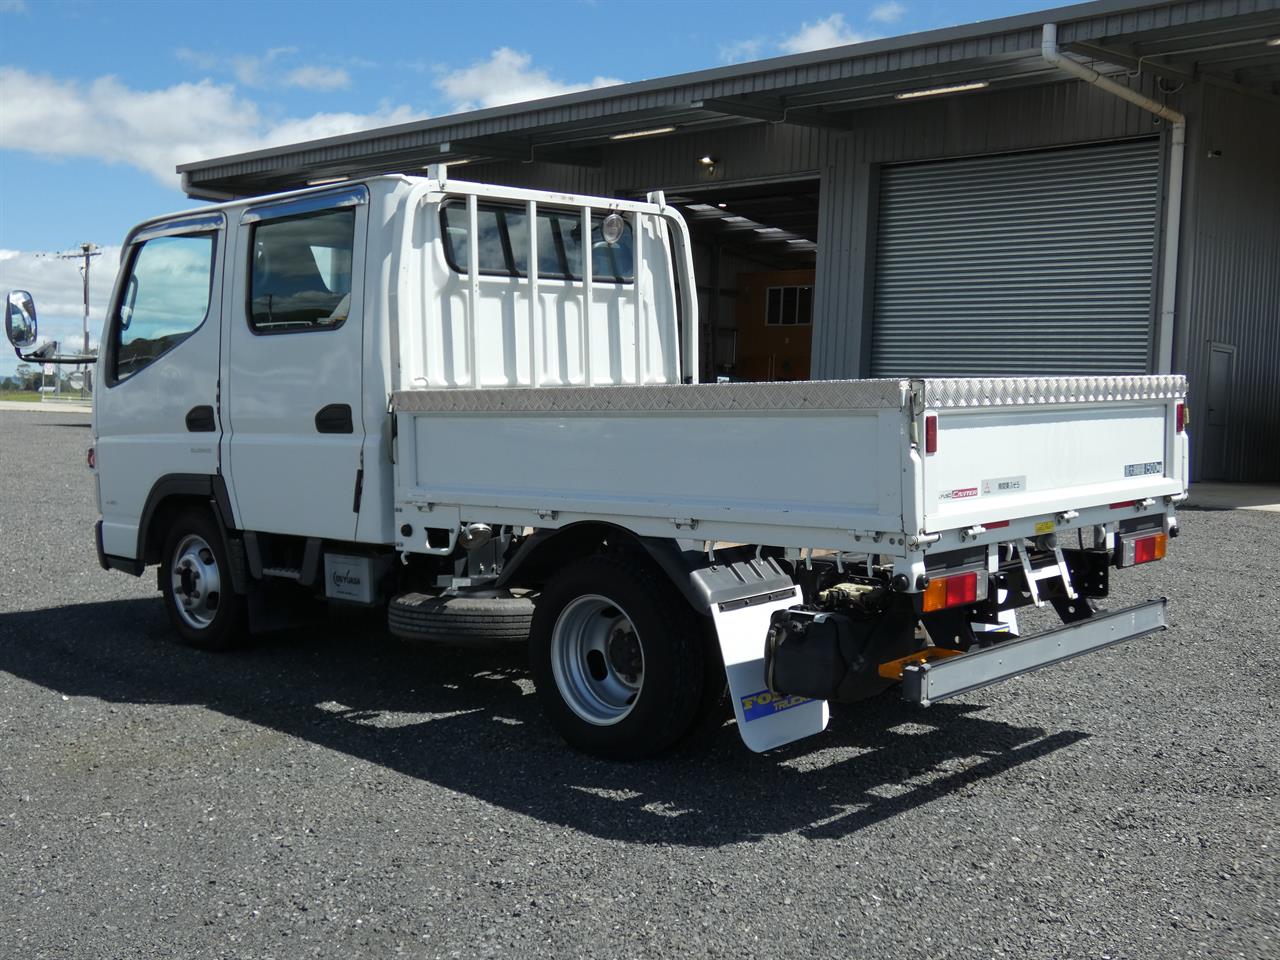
(197, 584)
(597, 660)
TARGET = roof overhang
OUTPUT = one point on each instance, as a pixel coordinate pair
(1182, 40)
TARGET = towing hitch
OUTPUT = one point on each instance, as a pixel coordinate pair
(947, 677)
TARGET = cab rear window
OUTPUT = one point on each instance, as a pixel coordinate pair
(503, 243)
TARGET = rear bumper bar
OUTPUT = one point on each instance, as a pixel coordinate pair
(940, 680)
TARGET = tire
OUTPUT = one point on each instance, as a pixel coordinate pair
(195, 577)
(459, 619)
(647, 692)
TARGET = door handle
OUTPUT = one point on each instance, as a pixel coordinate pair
(201, 420)
(335, 418)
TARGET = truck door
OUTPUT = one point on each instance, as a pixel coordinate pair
(155, 409)
(292, 386)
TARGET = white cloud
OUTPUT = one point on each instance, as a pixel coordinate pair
(741, 51)
(270, 68)
(821, 34)
(318, 78)
(154, 130)
(506, 77)
(887, 12)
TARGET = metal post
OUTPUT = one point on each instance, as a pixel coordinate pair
(637, 258)
(535, 306)
(473, 285)
(587, 279)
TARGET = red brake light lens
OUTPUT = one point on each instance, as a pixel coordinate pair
(962, 589)
(931, 433)
(1181, 416)
(954, 591)
(1150, 548)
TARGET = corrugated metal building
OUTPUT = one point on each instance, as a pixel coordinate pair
(947, 203)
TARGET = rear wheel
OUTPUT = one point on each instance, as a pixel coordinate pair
(203, 607)
(618, 657)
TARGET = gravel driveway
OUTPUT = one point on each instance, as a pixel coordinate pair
(329, 793)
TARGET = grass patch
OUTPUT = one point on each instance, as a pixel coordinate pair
(26, 396)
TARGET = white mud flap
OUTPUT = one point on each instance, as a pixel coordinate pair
(765, 719)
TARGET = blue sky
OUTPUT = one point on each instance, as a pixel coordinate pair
(99, 99)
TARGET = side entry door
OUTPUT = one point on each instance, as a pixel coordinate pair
(293, 378)
(155, 406)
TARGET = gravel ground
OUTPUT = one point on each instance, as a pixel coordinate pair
(327, 793)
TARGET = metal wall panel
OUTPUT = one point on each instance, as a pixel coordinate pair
(1229, 291)
(1037, 263)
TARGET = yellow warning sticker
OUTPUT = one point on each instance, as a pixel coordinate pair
(1044, 526)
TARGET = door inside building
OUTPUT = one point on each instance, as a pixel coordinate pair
(755, 251)
(1028, 264)
(1222, 360)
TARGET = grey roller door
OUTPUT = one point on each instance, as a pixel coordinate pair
(1035, 263)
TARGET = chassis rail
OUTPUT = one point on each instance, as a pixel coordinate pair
(943, 679)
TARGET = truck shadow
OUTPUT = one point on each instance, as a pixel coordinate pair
(466, 720)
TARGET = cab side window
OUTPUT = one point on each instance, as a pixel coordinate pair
(300, 275)
(165, 300)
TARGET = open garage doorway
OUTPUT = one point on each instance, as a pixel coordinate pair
(755, 253)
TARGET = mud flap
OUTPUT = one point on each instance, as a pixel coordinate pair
(765, 719)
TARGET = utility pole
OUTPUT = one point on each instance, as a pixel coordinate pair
(86, 252)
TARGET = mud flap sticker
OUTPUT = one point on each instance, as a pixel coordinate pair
(765, 719)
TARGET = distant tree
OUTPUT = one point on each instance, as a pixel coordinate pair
(28, 376)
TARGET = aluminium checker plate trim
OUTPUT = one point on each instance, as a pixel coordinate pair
(1024, 391)
(684, 398)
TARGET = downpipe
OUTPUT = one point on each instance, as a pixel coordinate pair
(1051, 53)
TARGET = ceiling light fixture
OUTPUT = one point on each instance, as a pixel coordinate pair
(707, 160)
(632, 134)
(938, 91)
(722, 206)
(1274, 42)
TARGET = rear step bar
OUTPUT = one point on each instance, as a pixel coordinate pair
(928, 683)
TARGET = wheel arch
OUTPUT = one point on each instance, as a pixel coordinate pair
(549, 549)
(168, 497)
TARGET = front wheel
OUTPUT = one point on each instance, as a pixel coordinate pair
(195, 577)
(618, 657)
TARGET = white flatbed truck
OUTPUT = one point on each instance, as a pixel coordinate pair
(477, 407)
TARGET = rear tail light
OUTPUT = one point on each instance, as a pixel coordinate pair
(931, 433)
(1180, 416)
(1142, 547)
(954, 591)
(1124, 503)
(1150, 548)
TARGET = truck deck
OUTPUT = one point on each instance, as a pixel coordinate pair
(839, 465)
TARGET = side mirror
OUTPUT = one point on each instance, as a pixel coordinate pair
(20, 319)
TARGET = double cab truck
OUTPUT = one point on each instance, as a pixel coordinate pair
(477, 408)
